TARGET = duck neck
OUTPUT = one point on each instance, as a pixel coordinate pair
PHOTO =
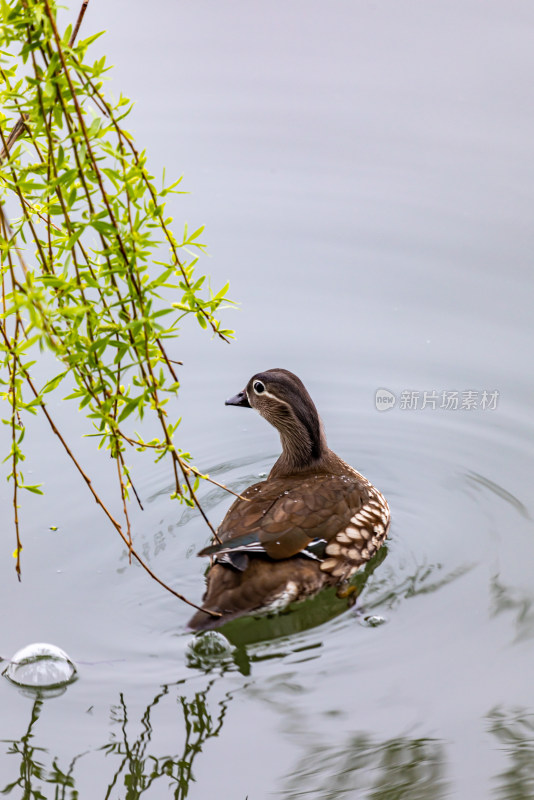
(303, 447)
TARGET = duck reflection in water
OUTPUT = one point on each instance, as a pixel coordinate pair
(313, 523)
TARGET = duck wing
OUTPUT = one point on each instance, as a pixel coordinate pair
(282, 517)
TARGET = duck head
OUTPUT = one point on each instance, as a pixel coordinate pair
(283, 400)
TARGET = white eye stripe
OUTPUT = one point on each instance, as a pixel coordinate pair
(273, 397)
(265, 393)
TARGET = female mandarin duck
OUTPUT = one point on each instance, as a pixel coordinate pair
(311, 524)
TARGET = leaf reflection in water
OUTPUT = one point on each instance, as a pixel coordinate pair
(517, 602)
(514, 730)
(396, 769)
(136, 766)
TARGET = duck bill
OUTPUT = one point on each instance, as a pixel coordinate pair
(239, 399)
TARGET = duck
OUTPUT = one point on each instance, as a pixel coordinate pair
(312, 523)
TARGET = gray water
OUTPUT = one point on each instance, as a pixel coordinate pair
(365, 173)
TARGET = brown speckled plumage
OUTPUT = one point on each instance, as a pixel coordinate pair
(310, 494)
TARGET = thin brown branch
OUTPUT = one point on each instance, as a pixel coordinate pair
(14, 459)
(16, 133)
(205, 477)
(134, 490)
(185, 470)
(81, 15)
(124, 507)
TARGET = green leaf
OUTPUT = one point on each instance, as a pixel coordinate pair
(73, 239)
(202, 320)
(34, 488)
(53, 383)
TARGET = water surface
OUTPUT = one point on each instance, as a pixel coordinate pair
(365, 174)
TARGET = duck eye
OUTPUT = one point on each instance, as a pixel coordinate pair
(259, 387)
